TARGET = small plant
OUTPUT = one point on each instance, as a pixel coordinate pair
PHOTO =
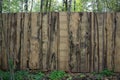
(57, 75)
(82, 75)
(99, 77)
(106, 72)
(4, 75)
(69, 77)
(38, 76)
(21, 75)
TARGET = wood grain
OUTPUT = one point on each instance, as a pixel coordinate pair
(73, 42)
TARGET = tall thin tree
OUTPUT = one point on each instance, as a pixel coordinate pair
(50, 2)
(74, 5)
(70, 5)
(1, 1)
(46, 7)
(26, 5)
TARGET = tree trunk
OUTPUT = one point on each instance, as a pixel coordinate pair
(26, 5)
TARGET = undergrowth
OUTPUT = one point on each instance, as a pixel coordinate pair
(54, 75)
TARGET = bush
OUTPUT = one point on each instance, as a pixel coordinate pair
(21, 75)
(4, 75)
(57, 75)
(37, 76)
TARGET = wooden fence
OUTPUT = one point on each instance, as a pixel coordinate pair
(74, 42)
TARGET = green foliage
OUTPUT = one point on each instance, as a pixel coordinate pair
(11, 64)
(38, 76)
(99, 77)
(21, 75)
(12, 6)
(56, 5)
(57, 75)
(80, 5)
(82, 75)
(4, 75)
(106, 72)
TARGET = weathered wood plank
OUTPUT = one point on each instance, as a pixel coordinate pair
(83, 42)
(44, 33)
(63, 49)
(88, 42)
(109, 28)
(13, 36)
(34, 55)
(99, 19)
(18, 43)
(29, 31)
(104, 42)
(21, 37)
(74, 43)
(5, 46)
(116, 24)
(52, 43)
(113, 41)
(1, 39)
(96, 53)
(24, 57)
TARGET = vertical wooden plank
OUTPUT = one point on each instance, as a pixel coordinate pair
(55, 42)
(10, 39)
(45, 41)
(116, 24)
(15, 37)
(29, 31)
(0, 39)
(104, 42)
(58, 39)
(74, 43)
(24, 55)
(21, 48)
(96, 47)
(34, 55)
(40, 40)
(13, 42)
(19, 36)
(100, 26)
(78, 44)
(92, 41)
(83, 43)
(88, 42)
(21, 53)
(109, 28)
(63, 49)
(5, 45)
(18, 54)
(52, 44)
(2, 16)
(49, 43)
(94, 44)
(114, 30)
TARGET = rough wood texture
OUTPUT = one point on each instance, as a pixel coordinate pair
(73, 42)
